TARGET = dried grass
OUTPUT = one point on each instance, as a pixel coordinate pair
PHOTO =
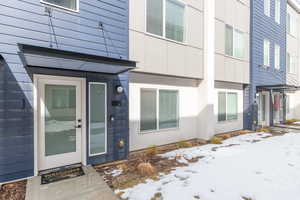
(146, 169)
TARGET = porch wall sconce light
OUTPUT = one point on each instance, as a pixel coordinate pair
(112, 118)
(121, 143)
(119, 89)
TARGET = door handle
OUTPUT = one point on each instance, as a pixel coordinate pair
(79, 123)
(78, 126)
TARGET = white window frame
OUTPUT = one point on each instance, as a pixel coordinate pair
(157, 90)
(292, 64)
(269, 50)
(61, 7)
(287, 104)
(163, 36)
(288, 22)
(277, 56)
(105, 152)
(235, 32)
(226, 99)
(267, 7)
(292, 22)
(277, 11)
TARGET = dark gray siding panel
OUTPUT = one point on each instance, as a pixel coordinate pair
(25, 21)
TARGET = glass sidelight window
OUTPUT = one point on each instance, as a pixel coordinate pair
(159, 109)
(97, 118)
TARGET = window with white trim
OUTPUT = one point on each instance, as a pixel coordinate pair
(290, 63)
(266, 53)
(277, 11)
(165, 18)
(97, 118)
(67, 4)
(277, 57)
(291, 24)
(159, 109)
(234, 42)
(287, 102)
(267, 7)
(227, 106)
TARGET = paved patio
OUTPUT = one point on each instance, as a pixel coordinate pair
(88, 187)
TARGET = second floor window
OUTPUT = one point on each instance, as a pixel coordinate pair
(165, 18)
(234, 42)
(277, 56)
(67, 4)
(266, 53)
(267, 7)
(277, 11)
(291, 24)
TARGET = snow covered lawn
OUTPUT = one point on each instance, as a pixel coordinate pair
(250, 166)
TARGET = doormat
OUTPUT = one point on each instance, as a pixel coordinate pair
(59, 174)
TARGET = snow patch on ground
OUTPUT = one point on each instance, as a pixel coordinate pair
(115, 172)
(253, 166)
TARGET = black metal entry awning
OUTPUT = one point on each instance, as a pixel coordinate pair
(36, 56)
(282, 87)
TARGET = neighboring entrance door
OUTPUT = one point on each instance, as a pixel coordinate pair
(263, 109)
(60, 117)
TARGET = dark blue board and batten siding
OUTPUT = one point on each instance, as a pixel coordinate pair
(264, 27)
(26, 22)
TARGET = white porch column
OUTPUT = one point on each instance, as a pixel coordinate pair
(206, 127)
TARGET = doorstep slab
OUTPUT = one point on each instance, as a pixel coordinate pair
(90, 186)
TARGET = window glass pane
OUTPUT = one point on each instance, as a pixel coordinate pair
(277, 11)
(288, 104)
(266, 52)
(293, 64)
(239, 44)
(97, 119)
(221, 106)
(155, 17)
(232, 106)
(168, 109)
(288, 23)
(267, 7)
(174, 20)
(148, 110)
(277, 56)
(60, 119)
(263, 109)
(70, 4)
(288, 62)
(229, 41)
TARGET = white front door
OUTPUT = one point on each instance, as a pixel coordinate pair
(60, 121)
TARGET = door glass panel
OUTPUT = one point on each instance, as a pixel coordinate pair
(263, 110)
(97, 118)
(60, 119)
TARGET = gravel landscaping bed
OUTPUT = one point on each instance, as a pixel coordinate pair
(13, 191)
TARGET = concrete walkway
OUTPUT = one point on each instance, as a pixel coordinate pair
(290, 127)
(88, 187)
